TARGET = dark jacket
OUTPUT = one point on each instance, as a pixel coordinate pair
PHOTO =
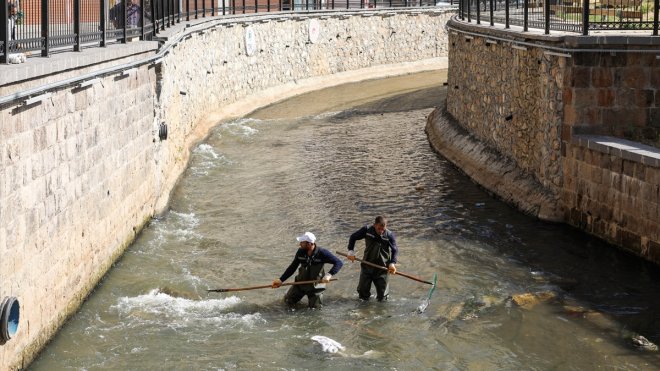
(311, 266)
(379, 249)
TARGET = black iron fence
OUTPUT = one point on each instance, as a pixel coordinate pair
(564, 15)
(41, 27)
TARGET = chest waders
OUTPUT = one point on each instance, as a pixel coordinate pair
(311, 269)
(377, 251)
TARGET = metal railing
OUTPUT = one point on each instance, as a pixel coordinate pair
(47, 26)
(564, 15)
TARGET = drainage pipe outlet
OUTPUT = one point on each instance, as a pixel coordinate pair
(9, 316)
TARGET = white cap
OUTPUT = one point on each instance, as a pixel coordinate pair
(307, 236)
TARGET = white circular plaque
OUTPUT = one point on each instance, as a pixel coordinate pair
(250, 41)
(314, 30)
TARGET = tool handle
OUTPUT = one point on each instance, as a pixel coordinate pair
(267, 286)
(385, 268)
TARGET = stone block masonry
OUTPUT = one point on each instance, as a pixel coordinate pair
(84, 169)
(612, 190)
(528, 116)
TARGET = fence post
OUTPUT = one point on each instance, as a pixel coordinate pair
(4, 34)
(491, 12)
(656, 5)
(256, 6)
(124, 11)
(102, 25)
(585, 17)
(478, 12)
(44, 28)
(163, 8)
(506, 13)
(468, 3)
(526, 15)
(546, 10)
(142, 13)
(203, 8)
(76, 25)
(212, 8)
(224, 8)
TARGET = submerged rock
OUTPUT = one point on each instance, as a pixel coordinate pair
(530, 300)
(642, 343)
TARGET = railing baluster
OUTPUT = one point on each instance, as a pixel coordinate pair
(526, 15)
(162, 11)
(469, 11)
(143, 34)
(103, 10)
(546, 11)
(45, 48)
(656, 7)
(460, 9)
(585, 17)
(124, 11)
(4, 32)
(76, 25)
(478, 12)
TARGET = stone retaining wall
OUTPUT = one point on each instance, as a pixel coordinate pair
(517, 103)
(84, 169)
(612, 189)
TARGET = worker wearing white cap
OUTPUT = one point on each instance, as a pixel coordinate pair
(310, 258)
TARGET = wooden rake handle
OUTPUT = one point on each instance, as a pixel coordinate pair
(267, 286)
(385, 269)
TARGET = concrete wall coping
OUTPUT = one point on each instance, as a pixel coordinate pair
(625, 149)
(38, 67)
(119, 54)
(618, 38)
(246, 19)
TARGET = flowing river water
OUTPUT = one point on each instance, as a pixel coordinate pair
(329, 162)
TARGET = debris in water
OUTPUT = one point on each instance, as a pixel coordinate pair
(328, 345)
(642, 343)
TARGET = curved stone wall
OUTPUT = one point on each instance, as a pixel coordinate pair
(542, 122)
(82, 170)
(511, 99)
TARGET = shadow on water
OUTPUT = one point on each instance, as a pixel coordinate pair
(579, 268)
